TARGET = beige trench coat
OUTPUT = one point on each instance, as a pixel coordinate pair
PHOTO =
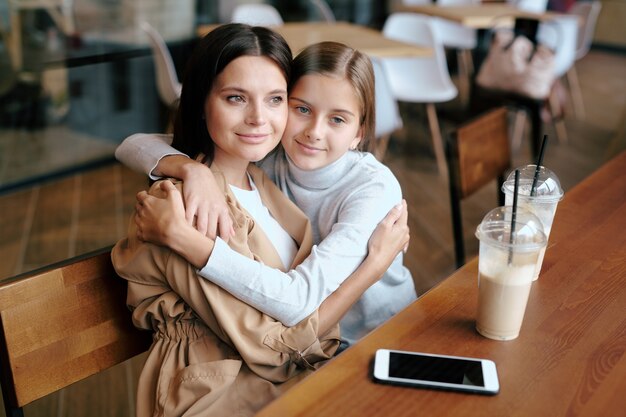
(212, 354)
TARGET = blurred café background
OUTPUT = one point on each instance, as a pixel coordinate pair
(78, 76)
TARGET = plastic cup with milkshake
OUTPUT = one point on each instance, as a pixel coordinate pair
(543, 202)
(506, 266)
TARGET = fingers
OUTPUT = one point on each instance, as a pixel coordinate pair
(226, 227)
(167, 186)
(404, 214)
(211, 229)
(203, 221)
(141, 196)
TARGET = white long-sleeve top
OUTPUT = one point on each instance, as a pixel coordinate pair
(345, 201)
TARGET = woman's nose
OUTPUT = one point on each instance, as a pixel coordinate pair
(255, 114)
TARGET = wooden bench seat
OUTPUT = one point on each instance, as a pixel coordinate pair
(62, 324)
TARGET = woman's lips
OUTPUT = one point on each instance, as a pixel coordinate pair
(253, 138)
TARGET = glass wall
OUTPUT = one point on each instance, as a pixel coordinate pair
(77, 76)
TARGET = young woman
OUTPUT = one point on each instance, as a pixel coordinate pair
(344, 192)
(212, 354)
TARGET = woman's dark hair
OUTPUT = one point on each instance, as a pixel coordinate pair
(339, 60)
(214, 52)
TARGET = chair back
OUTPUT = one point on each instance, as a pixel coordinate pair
(168, 86)
(325, 11)
(533, 6)
(417, 29)
(388, 117)
(561, 35)
(257, 14)
(588, 12)
(478, 152)
(416, 2)
(62, 324)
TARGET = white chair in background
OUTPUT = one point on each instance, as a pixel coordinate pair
(416, 2)
(168, 86)
(257, 14)
(587, 12)
(388, 118)
(561, 35)
(324, 10)
(534, 6)
(420, 79)
(461, 38)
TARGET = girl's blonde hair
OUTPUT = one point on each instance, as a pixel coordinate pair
(337, 59)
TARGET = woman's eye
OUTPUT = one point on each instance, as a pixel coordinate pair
(235, 99)
(337, 120)
(277, 100)
(302, 110)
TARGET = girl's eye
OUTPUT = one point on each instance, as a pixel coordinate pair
(302, 110)
(337, 120)
(235, 99)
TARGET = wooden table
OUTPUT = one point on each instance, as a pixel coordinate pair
(367, 40)
(479, 16)
(568, 360)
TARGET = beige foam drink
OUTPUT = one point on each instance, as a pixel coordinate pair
(506, 265)
(503, 292)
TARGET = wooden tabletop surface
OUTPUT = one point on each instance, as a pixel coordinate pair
(568, 360)
(367, 40)
(478, 16)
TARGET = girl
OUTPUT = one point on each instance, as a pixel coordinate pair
(344, 192)
(212, 354)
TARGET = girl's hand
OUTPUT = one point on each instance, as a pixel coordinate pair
(159, 219)
(390, 236)
(205, 207)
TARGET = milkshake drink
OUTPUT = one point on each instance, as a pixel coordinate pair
(543, 204)
(505, 270)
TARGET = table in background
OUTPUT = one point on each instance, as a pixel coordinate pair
(367, 40)
(568, 360)
(479, 16)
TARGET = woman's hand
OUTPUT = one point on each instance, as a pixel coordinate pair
(390, 236)
(162, 221)
(158, 219)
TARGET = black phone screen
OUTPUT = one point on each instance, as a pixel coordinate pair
(438, 369)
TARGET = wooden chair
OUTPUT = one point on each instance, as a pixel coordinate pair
(62, 324)
(477, 153)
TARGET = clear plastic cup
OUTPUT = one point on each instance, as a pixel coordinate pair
(543, 204)
(506, 266)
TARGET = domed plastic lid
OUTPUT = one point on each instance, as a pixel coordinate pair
(548, 184)
(496, 227)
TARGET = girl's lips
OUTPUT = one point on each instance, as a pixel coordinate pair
(308, 149)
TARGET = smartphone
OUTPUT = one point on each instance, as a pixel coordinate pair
(427, 370)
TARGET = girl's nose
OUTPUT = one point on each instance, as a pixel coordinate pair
(313, 131)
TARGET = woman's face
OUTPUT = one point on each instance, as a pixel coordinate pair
(324, 121)
(246, 110)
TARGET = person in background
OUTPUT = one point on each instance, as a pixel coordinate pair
(344, 192)
(213, 354)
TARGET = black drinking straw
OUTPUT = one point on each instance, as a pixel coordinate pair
(514, 214)
(533, 189)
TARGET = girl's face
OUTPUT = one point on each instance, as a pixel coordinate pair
(246, 110)
(324, 121)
